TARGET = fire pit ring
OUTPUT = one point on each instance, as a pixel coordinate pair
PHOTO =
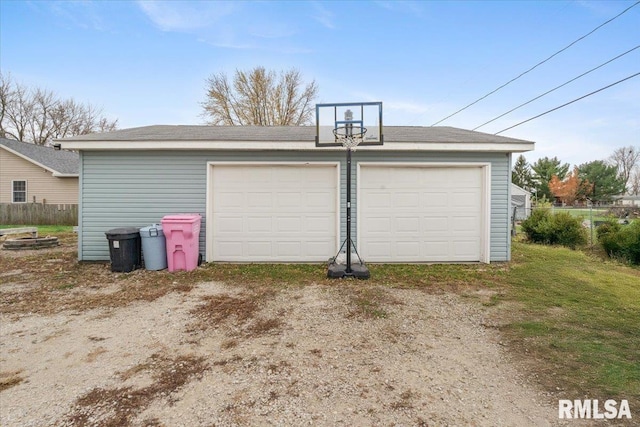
(25, 243)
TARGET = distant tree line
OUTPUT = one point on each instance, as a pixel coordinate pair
(597, 181)
(36, 115)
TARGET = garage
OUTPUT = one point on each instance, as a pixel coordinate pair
(270, 194)
(423, 212)
(265, 212)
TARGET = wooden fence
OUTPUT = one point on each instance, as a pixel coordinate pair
(38, 214)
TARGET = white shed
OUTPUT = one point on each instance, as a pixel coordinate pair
(521, 202)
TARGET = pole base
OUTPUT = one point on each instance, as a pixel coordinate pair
(339, 271)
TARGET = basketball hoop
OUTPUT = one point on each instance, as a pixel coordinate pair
(350, 136)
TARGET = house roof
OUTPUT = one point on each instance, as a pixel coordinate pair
(287, 137)
(518, 188)
(61, 163)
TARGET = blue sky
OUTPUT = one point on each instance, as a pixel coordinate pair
(147, 62)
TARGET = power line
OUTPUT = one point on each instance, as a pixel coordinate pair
(538, 64)
(557, 87)
(570, 102)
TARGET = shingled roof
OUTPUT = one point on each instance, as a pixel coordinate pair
(59, 162)
(439, 134)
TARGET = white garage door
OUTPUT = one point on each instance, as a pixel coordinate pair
(421, 214)
(274, 213)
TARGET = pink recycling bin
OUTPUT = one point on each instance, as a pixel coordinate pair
(182, 233)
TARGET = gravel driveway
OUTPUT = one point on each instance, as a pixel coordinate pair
(219, 355)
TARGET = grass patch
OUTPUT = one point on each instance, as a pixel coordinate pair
(44, 230)
(586, 213)
(580, 322)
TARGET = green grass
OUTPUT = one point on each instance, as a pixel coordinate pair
(44, 229)
(597, 214)
(580, 319)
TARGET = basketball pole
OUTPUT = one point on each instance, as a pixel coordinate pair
(335, 270)
(349, 134)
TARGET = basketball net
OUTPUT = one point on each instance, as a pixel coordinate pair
(350, 137)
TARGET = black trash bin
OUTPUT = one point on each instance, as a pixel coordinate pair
(124, 249)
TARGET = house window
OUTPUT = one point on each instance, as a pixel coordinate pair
(19, 191)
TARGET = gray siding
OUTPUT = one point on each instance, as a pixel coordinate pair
(136, 188)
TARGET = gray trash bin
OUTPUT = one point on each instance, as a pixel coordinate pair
(154, 249)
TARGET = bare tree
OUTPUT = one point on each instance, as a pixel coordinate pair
(626, 159)
(260, 98)
(38, 116)
(634, 183)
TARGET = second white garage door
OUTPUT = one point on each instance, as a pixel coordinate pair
(272, 212)
(422, 214)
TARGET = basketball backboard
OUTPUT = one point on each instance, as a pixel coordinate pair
(363, 114)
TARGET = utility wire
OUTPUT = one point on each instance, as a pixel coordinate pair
(557, 87)
(538, 64)
(570, 102)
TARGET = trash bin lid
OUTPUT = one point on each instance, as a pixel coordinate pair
(181, 218)
(122, 233)
(154, 230)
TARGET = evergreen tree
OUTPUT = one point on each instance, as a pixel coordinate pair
(543, 170)
(601, 180)
(521, 174)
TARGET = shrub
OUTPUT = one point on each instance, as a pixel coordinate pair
(554, 229)
(611, 226)
(622, 242)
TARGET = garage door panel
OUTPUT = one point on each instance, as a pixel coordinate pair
(288, 249)
(258, 248)
(377, 199)
(465, 199)
(288, 224)
(229, 225)
(406, 200)
(262, 200)
(377, 225)
(407, 224)
(323, 200)
(465, 248)
(438, 224)
(431, 199)
(228, 247)
(408, 249)
(379, 249)
(259, 224)
(318, 223)
(291, 200)
(230, 201)
(465, 224)
(425, 214)
(319, 249)
(435, 249)
(273, 213)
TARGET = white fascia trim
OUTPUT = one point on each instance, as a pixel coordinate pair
(30, 160)
(291, 146)
(65, 175)
(485, 244)
(209, 195)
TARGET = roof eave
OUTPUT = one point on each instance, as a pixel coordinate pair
(148, 145)
(66, 175)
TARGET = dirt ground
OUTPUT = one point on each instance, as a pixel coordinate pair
(208, 353)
